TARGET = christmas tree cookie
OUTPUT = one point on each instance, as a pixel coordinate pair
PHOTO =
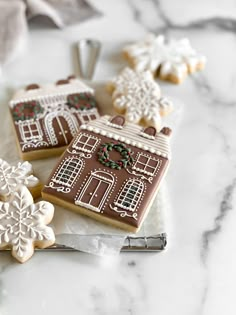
(111, 171)
(46, 118)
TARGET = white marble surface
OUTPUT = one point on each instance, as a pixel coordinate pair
(196, 275)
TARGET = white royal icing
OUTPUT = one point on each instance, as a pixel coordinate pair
(139, 96)
(171, 57)
(48, 91)
(101, 177)
(53, 100)
(12, 176)
(131, 134)
(23, 224)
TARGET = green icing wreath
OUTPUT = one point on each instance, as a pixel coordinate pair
(103, 155)
(28, 110)
(81, 101)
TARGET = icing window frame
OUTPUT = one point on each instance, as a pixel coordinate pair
(130, 195)
(70, 167)
(89, 114)
(147, 164)
(29, 133)
(83, 145)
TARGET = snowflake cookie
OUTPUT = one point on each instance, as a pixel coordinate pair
(13, 176)
(23, 224)
(138, 96)
(170, 59)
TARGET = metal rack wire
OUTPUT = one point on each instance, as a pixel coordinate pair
(153, 243)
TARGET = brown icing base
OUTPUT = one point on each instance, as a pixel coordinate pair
(121, 175)
(48, 131)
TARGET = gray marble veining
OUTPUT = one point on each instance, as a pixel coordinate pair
(196, 275)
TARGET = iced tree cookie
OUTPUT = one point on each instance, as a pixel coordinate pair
(13, 176)
(23, 224)
(171, 59)
(46, 118)
(111, 172)
(136, 95)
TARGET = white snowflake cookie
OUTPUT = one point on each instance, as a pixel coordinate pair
(23, 224)
(13, 176)
(136, 95)
(169, 59)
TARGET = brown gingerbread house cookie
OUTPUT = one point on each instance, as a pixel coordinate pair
(47, 118)
(111, 171)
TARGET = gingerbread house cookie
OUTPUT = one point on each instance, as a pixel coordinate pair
(111, 171)
(46, 118)
(169, 59)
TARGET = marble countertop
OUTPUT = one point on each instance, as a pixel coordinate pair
(196, 275)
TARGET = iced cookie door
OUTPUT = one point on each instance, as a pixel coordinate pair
(61, 126)
(95, 191)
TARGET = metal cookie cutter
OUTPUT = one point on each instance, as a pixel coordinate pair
(88, 52)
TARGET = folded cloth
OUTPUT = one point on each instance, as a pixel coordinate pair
(15, 13)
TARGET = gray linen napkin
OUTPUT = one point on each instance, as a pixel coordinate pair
(15, 13)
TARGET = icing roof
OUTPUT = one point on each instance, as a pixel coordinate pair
(49, 90)
(130, 134)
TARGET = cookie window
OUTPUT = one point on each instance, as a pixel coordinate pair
(130, 195)
(85, 143)
(68, 171)
(30, 131)
(147, 164)
(87, 117)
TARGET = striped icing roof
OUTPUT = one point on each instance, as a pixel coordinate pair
(50, 90)
(130, 134)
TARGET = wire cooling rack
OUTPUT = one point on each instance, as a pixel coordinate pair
(153, 243)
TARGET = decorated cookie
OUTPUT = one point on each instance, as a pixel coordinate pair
(111, 171)
(47, 118)
(13, 176)
(23, 224)
(170, 59)
(138, 96)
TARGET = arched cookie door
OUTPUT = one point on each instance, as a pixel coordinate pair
(61, 127)
(96, 191)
